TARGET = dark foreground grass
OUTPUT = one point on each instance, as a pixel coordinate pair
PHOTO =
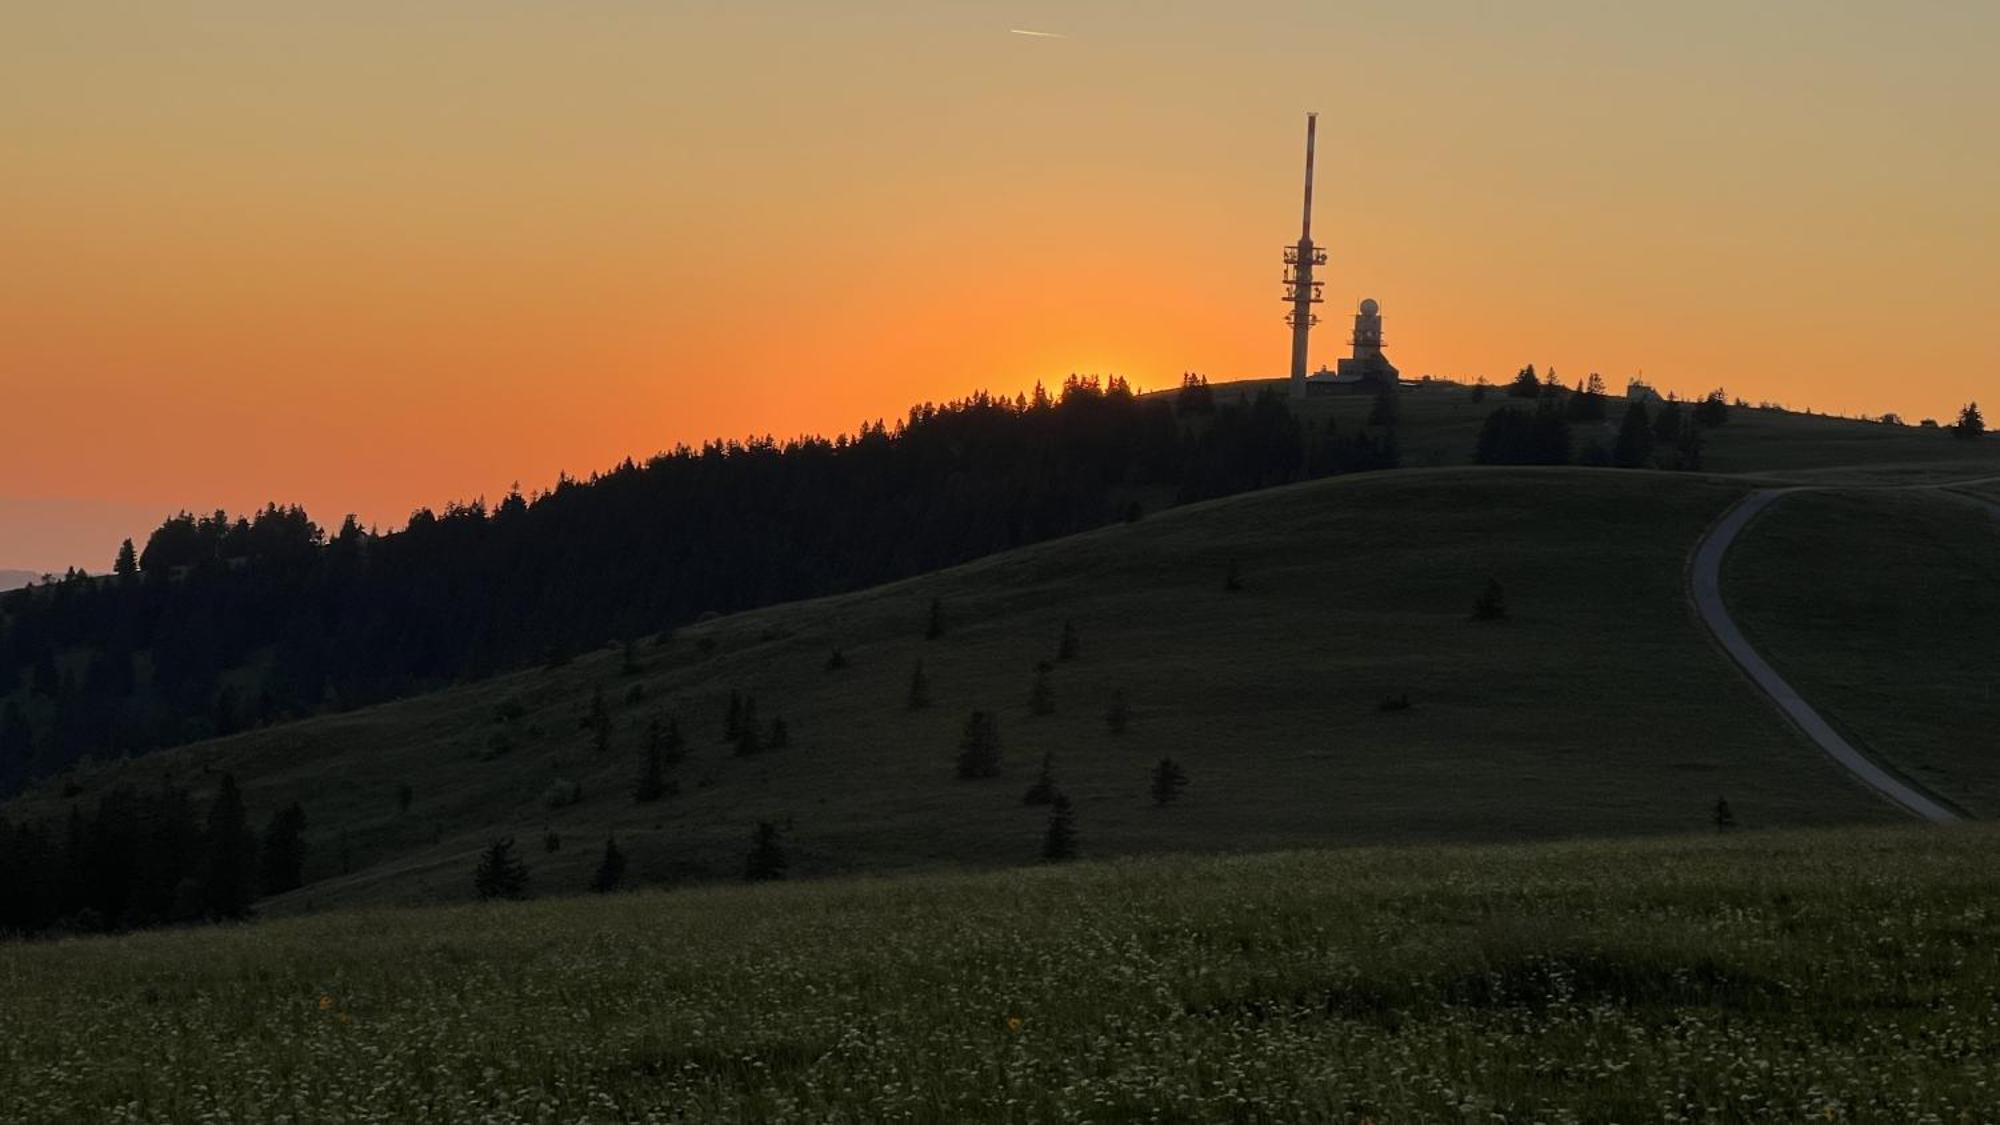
(1761, 976)
(1882, 607)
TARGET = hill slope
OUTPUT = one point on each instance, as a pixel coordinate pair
(1598, 708)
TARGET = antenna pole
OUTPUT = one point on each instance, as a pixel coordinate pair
(1302, 291)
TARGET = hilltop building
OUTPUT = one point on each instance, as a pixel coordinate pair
(1367, 369)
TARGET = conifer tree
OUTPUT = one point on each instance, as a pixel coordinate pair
(1971, 424)
(781, 735)
(652, 782)
(1491, 604)
(836, 660)
(500, 873)
(599, 721)
(1168, 781)
(404, 796)
(1059, 839)
(1067, 645)
(1044, 789)
(126, 567)
(551, 841)
(935, 628)
(1713, 409)
(1042, 693)
(226, 892)
(1119, 714)
(1232, 579)
(919, 696)
(767, 860)
(610, 869)
(1724, 816)
(732, 726)
(749, 738)
(1384, 410)
(283, 855)
(979, 746)
(1634, 448)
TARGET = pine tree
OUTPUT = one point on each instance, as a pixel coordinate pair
(979, 746)
(1713, 409)
(610, 869)
(1971, 424)
(1634, 449)
(767, 856)
(920, 689)
(1042, 693)
(781, 735)
(127, 565)
(599, 722)
(1491, 605)
(1066, 646)
(1044, 789)
(1724, 816)
(1119, 714)
(652, 782)
(404, 796)
(232, 850)
(1168, 781)
(1059, 839)
(935, 628)
(551, 841)
(1232, 579)
(732, 726)
(500, 873)
(749, 738)
(836, 660)
(284, 851)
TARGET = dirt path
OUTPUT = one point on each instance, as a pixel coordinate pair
(1705, 586)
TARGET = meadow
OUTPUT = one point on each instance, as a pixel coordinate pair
(1729, 977)
(1598, 707)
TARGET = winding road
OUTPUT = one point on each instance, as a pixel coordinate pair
(1705, 587)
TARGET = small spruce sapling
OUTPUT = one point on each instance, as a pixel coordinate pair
(610, 869)
(1066, 647)
(979, 746)
(1491, 605)
(919, 696)
(500, 873)
(1168, 781)
(935, 628)
(1724, 816)
(767, 860)
(1043, 790)
(1059, 839)
(836, 660)
(1042, 694)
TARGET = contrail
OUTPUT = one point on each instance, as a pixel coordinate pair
(1036, 34)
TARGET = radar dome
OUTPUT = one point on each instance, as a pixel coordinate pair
(1369, 307)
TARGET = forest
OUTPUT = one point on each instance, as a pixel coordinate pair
(219, 624)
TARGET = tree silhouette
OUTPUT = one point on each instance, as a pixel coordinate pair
(1491, 604)
(231, 854)
(1168, 781)
(283, 854)
(1042, 693)
(1044, 789)
(1067, 644)
(610, 869)
(1971, 424)
(979, 747)
(1059, 838)
(1724, 816)
(1634, 448)
(919, 696)
(767, 860)
(935, 627)
(500, 873)
(652, 781)
(1118, 715)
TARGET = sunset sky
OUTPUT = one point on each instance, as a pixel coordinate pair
(367, 256)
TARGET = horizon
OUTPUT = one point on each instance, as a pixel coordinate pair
(372, 263)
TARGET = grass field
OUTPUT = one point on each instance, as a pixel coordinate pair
(1599, 708)
(1757, 976)
(1882, 607)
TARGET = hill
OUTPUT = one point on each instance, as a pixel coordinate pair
(15, 579)
(1597, 708)
(1790, 976)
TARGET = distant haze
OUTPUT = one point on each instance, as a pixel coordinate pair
(371, 256)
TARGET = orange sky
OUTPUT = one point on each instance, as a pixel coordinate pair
(364, 257)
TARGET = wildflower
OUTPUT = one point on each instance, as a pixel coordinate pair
(326, 1003)
(1014, 1025)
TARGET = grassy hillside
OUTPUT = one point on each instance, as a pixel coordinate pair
(1881, 607)
(1781, 976)
(1598, 708)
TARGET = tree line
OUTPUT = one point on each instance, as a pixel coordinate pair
(219, 623)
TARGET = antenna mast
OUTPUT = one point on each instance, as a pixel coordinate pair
(1302, 292)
